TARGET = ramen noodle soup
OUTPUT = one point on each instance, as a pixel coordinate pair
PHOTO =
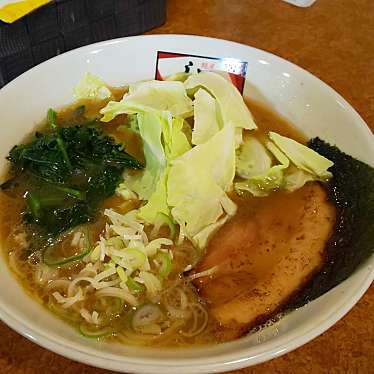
(166, 214)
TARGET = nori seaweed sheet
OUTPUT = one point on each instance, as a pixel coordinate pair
(352, 191)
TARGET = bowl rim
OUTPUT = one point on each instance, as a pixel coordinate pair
(238, 359)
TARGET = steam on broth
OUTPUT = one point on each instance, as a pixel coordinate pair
(74, 278)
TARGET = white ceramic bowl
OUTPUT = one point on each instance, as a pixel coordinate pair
(294, 93)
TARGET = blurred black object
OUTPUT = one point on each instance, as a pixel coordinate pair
(67, 24)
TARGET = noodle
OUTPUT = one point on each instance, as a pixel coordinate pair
(196, 330)
(96, 297)
(60, 283)
(67, 302)
(13, 263)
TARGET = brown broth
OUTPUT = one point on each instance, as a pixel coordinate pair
(267, 120)
(11, 209)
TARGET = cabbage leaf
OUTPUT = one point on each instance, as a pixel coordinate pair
(252, 158)
(150, 129)
(201, 239)
(174, 139)
(205, 117)
(198, 181)
(91, 87)
(303, 157)
(232, 106)
(151, 96)
(297, 165)
(175, 144)
(295, 178)
(157, 202)
(269, 179)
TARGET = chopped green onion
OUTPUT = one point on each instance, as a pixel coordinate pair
(166, 264)
(116, 242)
(121, 273)
(118, 305)
(151, 282)
(135, 258)
(146, 314)
(94, 333)
(161, 220)
(95, 254)
(110, 264)
(134, 286)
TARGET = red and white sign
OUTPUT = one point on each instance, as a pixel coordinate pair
(169, 63)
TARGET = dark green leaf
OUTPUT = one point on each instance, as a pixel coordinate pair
(68, 171)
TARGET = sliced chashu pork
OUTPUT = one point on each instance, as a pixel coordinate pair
(264, 255)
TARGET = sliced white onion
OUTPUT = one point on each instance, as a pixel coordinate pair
(86, 315)
(205, 273)
(123, 219)
(89, 269)
(112, 283)
(76, 238)
(73, 284)
(120, 293)
(151, 282)
(95, 317)
(105, 274)
(102, 249)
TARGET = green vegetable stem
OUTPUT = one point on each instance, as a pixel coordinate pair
(52, 121)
